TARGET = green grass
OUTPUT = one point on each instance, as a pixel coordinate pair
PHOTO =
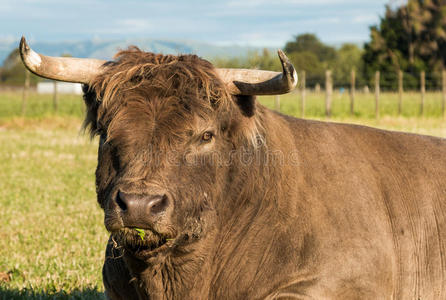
(364, 105)
(51, 233)
(39, 106)
(52, 237)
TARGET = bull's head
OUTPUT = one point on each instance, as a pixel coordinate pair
(170, 128)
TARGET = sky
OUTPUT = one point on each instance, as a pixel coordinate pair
(268, 23)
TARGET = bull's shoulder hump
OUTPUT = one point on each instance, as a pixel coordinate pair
(343, 129)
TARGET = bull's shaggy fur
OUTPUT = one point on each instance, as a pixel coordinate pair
(271, 207)
(184, 81)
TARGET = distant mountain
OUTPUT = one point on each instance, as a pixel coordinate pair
(105, 49)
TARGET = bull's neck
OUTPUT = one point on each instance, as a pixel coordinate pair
(256, 182)
(261, 195)
(172, 275)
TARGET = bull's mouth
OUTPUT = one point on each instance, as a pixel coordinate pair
(146, 243)
(142, 243)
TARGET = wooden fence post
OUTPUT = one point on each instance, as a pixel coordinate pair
(377, 75)
(277, 102)
(25, 92)
(422, 90)
(352, 92)
(443, 105)
(55, 97)
(400, 92)
(303, 87)
(328, 92)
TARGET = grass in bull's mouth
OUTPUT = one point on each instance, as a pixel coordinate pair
(141, 233)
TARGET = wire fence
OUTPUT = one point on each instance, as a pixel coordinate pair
(389, 81)
(398, 82)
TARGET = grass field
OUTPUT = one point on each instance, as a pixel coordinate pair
(51, 233)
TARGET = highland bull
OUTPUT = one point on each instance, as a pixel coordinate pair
(209, 195)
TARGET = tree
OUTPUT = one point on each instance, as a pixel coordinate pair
(13, 70)
(254, 60)
(308, 61)
(309, 42)
(349, 57)
(264, 61)
(411, 38)
(308, 53)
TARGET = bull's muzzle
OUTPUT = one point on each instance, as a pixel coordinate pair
(141, 210)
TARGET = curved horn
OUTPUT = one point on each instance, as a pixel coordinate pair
(258, 82)
(81, 70)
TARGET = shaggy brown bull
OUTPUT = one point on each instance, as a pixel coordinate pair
(209, 195)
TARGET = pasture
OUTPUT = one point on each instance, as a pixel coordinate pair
(52, 237)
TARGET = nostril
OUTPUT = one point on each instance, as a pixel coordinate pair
(158, 204)
(120, 201)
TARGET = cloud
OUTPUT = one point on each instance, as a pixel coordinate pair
(366, 18)
(5, 7)
(260, 39)
(129, 26)
(8, 39)
(345, 38)
(323, 20)
(136, 24)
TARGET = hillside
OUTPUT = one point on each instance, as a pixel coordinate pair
(105, 49)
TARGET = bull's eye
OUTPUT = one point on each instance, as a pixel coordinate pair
(207, 136)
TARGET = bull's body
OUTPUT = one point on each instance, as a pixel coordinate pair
(361, 214)
(234, 201)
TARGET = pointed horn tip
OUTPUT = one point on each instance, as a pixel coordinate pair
(23, 45)
(287, 66)
(282, 55)
(31, 59)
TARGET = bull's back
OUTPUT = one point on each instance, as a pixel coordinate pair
(378, 202)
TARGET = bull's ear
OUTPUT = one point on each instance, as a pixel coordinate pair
(246, 103)
(92, 104)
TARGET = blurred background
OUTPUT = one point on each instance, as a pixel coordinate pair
(356, 60)
(373, 62)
